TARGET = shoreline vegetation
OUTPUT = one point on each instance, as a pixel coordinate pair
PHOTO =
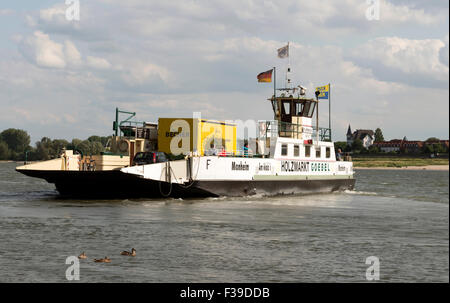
(426, 167)
(15, 146)
(401, 163)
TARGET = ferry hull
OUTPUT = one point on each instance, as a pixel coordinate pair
(274, 187)
(116, 184)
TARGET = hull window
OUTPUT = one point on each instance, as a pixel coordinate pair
(307, 151)
(296, 151)
(284, 150)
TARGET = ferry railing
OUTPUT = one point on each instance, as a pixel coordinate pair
(131, 128)
(235, 153)
(324, 133)
(274, 128)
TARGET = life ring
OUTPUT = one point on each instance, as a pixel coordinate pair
(123, 146)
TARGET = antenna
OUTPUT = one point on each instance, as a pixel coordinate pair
(288, 70)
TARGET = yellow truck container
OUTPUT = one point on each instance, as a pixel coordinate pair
(190, 135)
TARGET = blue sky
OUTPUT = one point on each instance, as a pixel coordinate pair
(63, 79)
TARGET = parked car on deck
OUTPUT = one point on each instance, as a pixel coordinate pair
(142, 158)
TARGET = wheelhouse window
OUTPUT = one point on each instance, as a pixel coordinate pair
(311, 109)
(284, 150)
(328, 152)
(308, 109)
(298, 109)
(287, 108)
(296, 151)
(307, 151)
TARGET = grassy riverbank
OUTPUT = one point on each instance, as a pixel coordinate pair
(396, 162)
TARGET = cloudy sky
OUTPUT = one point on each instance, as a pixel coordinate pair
(64, 78)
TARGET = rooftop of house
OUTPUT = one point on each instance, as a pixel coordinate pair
(361, 133)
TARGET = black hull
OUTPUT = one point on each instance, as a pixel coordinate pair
(115, 184)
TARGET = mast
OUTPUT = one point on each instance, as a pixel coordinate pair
(288, 69)
(274, 83)
(329, 110)
(317, 121)
(317, 115)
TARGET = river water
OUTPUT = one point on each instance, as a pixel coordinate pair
(400, 217)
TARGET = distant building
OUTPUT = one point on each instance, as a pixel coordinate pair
(412, 146)
(366, 136)
(407, 146)
(389, 146)
(444, 144)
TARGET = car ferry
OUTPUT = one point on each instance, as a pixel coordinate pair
(194, 157)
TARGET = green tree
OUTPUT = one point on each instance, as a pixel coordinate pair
(379, 135)
(340, 144)
(85, 147)
(17, 140)
(43, 149)
(374, 149)
(438, 148)
(102, 140)
(357, 145)
(428, 149)
(364, 151)
(4, 151)
(105, 140)
(96, 148)
(57, 146)
(95, 139)
(74, 144)
(432, 139)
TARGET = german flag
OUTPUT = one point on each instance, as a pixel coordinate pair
(265, 76)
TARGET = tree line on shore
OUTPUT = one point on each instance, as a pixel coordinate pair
(15, 145)
(431, 146)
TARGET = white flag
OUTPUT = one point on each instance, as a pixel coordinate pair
(283, 52)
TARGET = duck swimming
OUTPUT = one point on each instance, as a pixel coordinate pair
(82, 256)
(104, 260)
(127, 253)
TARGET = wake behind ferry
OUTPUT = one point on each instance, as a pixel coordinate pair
(195, 157)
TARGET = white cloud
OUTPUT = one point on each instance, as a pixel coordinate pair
(140, 72)
(325, 17)
(6, 12)
(53, 14)
(44, 51)
(411, 58)
(98, 63)
(444, 52)
(73, 56)
(397, 14)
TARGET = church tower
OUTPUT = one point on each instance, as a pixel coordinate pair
(349, 135)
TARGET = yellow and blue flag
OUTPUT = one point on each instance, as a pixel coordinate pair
(324, 91)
